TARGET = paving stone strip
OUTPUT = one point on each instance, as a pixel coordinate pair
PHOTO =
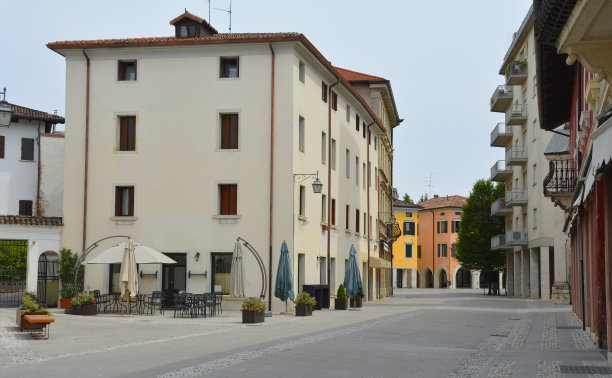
(15, 350)
(582, 340)
(572, 319)
(550, 339)
(549, 369)
(518, 336)
(235, 359)
(502, 369)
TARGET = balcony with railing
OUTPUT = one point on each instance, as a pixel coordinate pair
(560, 180)
(500, 172)
(498, 243)
(517, 238)
(516, 114)
(516, 73)
(516, 197)
(501, 98)
(516, 155)
(499, 208)
(501, 135)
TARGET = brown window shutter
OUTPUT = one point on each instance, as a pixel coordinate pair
(1, 146)
(123, 133)
(131, 142)
(223, 200)
(357, 220)
(438, 227)
(131, 201)
(233, 199)
(333, 213)
(347, 217)
(233, 131)
(225, 131)
(118, 201)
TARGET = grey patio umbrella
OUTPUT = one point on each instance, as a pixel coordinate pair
(283, 289)
(352, 277)
(237, 272)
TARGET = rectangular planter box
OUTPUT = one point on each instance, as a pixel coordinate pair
(252, 316)
(24, 324)
(341, 304)
(356, 302)
(87, 310)
(65, 303)
(303, 310)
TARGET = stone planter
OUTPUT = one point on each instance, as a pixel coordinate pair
(24, 324)
(87, 310)
(341, 304)
(303, 310)
(252, 316)
(356, 302)
(65, 302)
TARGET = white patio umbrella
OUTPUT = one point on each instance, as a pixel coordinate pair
(142, 253)
(128, 275)
(237, 272)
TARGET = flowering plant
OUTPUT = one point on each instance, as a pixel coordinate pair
(30, 304)
(254, 304)
(304, 299)
(83, 299)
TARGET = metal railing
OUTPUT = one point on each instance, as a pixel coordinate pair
(516, 71)
(516, 196)
(499, 205)
(500, 130)
(504, 91)
(500, 167)
(516, 112)
(498, 242)
(516, 154)
(561, 178)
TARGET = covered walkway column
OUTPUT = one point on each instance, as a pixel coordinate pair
(534, 272)
(518, 268)
(510, 273)
(525, 277)
(545, 272)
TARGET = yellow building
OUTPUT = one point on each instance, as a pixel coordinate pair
(405, 250)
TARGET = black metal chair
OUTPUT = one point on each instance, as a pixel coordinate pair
(100, 299)
(210, 303)
(156, 300)
(218, 302)
(182, 304)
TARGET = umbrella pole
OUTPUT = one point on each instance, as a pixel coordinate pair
(286, 305)
(128, 300)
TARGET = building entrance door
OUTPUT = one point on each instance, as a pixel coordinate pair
(463, 278)
(174, 277)
(400, 278)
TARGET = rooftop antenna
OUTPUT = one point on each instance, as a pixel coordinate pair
(429, 182)
(209, 11)
(230, 15)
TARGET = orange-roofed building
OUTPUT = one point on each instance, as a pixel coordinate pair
(438, 223)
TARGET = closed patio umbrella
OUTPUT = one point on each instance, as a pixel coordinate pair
(352, 277)
(128, 275)
(237, 272)
(284, 277)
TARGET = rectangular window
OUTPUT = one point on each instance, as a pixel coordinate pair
(365, 223)
(348, 217)
(357, 121)
(334, 100)
(229, 67)
(455, 226)
(535, 170)
(323, 147)
(357, 220)
(418, 251)
(409, 228)
(348, 163)
(2, 147)
(535, 218)
(370, 226)
(221, 272)
(25, 208)
(113, 278)
(454, 249)
(124, 201)
(27, 149)
(333, 212)
(442, 227)
(323, 208)
(228, 199)
(375, 143)
(188, 31)
(302, 71)
(369, 174)
(229, 131)
(348, 113)
(127, 70)
(363, 130)
(442, 250)
(364, 175)
(357, 170)
(375, 178)
(333, 154)
(323, 91)
(408, 253)
(408, 214)
(302, 200)
(127, 133)
(301, 135)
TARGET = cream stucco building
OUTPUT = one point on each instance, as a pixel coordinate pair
(190, 141)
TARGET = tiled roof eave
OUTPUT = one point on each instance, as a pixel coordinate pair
(20, 220)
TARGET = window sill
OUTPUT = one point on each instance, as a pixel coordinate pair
(126, 152)
(124, 220)
(219, 149)
(27, 161)
(221, 217)
(302, 219)
(333, 227)
(357, 234)
(348, 231)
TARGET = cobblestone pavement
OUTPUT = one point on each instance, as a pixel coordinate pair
(416, 333)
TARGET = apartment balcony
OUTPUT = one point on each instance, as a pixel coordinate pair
(501, 135)
(516, 238)
(499, 208)
(516, 114)
(560, 180)
(516, 73)
(498, 243)
(516, 155)
(502, 97)
(516, 197)
(500, 172)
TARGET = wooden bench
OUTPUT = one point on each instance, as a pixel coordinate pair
(45, 320)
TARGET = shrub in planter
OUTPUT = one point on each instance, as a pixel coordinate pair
(357, 302)
(30, 306)
(67, 262)
(341, 302)
(253, 310)
(84, 304)
(303, 304)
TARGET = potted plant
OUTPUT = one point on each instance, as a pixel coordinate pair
(84, 304)
(303, 304)
(356, 302)
(30, 306)
(341, 300)
(67, 262)
(253, 310)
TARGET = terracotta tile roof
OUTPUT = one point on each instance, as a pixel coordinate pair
(31, 221)
(357, 76)
(444, 201)
(21, 112)
(400, 203)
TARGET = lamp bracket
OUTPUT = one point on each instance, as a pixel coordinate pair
(301, 177)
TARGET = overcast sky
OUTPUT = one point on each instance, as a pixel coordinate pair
(441, 56)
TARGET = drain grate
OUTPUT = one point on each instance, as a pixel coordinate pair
(569, 327)
(578, 369)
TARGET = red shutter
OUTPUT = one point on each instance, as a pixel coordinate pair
(225, 131)
(357, 220)
(233, 131)
(347, 217)
(1, 146)
(233, 199)
(223, 200)
(118, 201)
(131, 201)
(131, 142)
(123, 133)
(333, 213)
(438, 227)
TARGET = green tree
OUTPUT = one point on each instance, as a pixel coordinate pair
(424, 197)
(407, 198)
(476, 228)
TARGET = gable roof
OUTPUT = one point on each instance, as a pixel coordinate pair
(444, 201)
(21, 112)
(193, 17)
(350, 75)
(404, 204)
(31, 221)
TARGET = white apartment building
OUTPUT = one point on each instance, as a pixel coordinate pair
(533, 225)
(199, 138)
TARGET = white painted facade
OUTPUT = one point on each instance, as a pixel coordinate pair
(177, 166)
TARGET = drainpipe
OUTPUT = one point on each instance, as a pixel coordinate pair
(86, 153)
(368, 196)
(271, 173)
(329, 138)
(38, 211)
(582, 281)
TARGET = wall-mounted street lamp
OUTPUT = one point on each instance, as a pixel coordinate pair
(317, 185)
(197, 256)
(6, 112)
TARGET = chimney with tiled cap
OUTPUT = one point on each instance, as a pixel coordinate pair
(436, 196)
